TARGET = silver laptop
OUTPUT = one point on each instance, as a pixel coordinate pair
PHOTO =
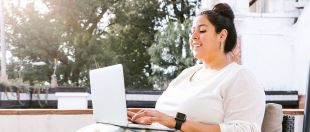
(108, 98)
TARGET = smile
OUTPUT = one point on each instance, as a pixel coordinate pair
(196, 45)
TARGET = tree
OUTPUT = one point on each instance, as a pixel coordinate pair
(131, 35)
(31, 42)
(73, 32)
(170, 54)
(68, 32)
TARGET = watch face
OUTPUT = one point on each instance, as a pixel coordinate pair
(181, 116)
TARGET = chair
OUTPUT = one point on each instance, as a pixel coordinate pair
(273, 118)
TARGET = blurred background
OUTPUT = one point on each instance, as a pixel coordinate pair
(150, 38)
(49, 46)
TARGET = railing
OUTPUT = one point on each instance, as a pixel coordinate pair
(135, 98)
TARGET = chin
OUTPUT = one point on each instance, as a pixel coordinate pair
(197, 56)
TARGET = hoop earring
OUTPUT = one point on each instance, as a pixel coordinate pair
(230, 56)
(222, 47)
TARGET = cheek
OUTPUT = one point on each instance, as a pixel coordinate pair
(206, 41)
(209, 42)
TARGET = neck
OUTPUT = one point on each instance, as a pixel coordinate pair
(217, 62)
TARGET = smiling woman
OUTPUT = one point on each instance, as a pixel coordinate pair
(218, 95)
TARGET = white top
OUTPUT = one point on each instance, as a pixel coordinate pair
(230, 97)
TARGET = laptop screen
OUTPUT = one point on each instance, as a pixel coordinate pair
(108, 95)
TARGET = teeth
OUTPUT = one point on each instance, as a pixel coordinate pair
(196, 45)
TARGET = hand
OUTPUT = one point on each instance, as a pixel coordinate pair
(131, 112)
(149, 116)
(141, 120)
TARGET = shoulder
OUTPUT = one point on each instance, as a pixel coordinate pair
(186, 73)
(240, 71)
(246, 75)
(242, 79)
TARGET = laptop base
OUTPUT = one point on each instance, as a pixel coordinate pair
(155, 127)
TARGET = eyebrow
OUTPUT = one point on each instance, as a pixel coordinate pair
(201, 25)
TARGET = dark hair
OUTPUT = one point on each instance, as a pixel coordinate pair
(222, 17)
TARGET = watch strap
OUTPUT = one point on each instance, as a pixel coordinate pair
(178, 124)
(179, 120)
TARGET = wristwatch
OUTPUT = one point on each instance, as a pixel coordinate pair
(179, 120)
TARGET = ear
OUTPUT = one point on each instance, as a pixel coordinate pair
(223, 35)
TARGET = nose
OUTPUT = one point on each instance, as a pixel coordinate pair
(194, 35)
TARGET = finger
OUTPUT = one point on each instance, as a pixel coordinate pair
(144, 113)
(130, 114)
(140, 111)
(137, 116)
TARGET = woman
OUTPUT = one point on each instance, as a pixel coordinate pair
(216, 96)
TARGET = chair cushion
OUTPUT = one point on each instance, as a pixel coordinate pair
(273, 118)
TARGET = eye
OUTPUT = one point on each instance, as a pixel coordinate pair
(203, 31)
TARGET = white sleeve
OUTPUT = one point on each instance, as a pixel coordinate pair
(244, 104)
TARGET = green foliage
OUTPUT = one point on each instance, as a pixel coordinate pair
(149, 37)
(170, 54)
(73, 33)
(60, 34)
(131, 36)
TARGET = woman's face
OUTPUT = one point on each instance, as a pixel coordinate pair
(204, 41)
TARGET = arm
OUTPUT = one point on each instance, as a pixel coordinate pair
(151, 116)
(190, 126)
(244, 104)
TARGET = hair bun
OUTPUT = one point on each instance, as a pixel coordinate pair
(224, 9)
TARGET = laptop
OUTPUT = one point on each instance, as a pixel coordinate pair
(109, 99)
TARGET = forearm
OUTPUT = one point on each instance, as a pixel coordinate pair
(151, 116)
(190, 126)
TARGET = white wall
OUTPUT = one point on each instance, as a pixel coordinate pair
(275, 49)
(267, 49)
(302, 50)
(44, 123)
